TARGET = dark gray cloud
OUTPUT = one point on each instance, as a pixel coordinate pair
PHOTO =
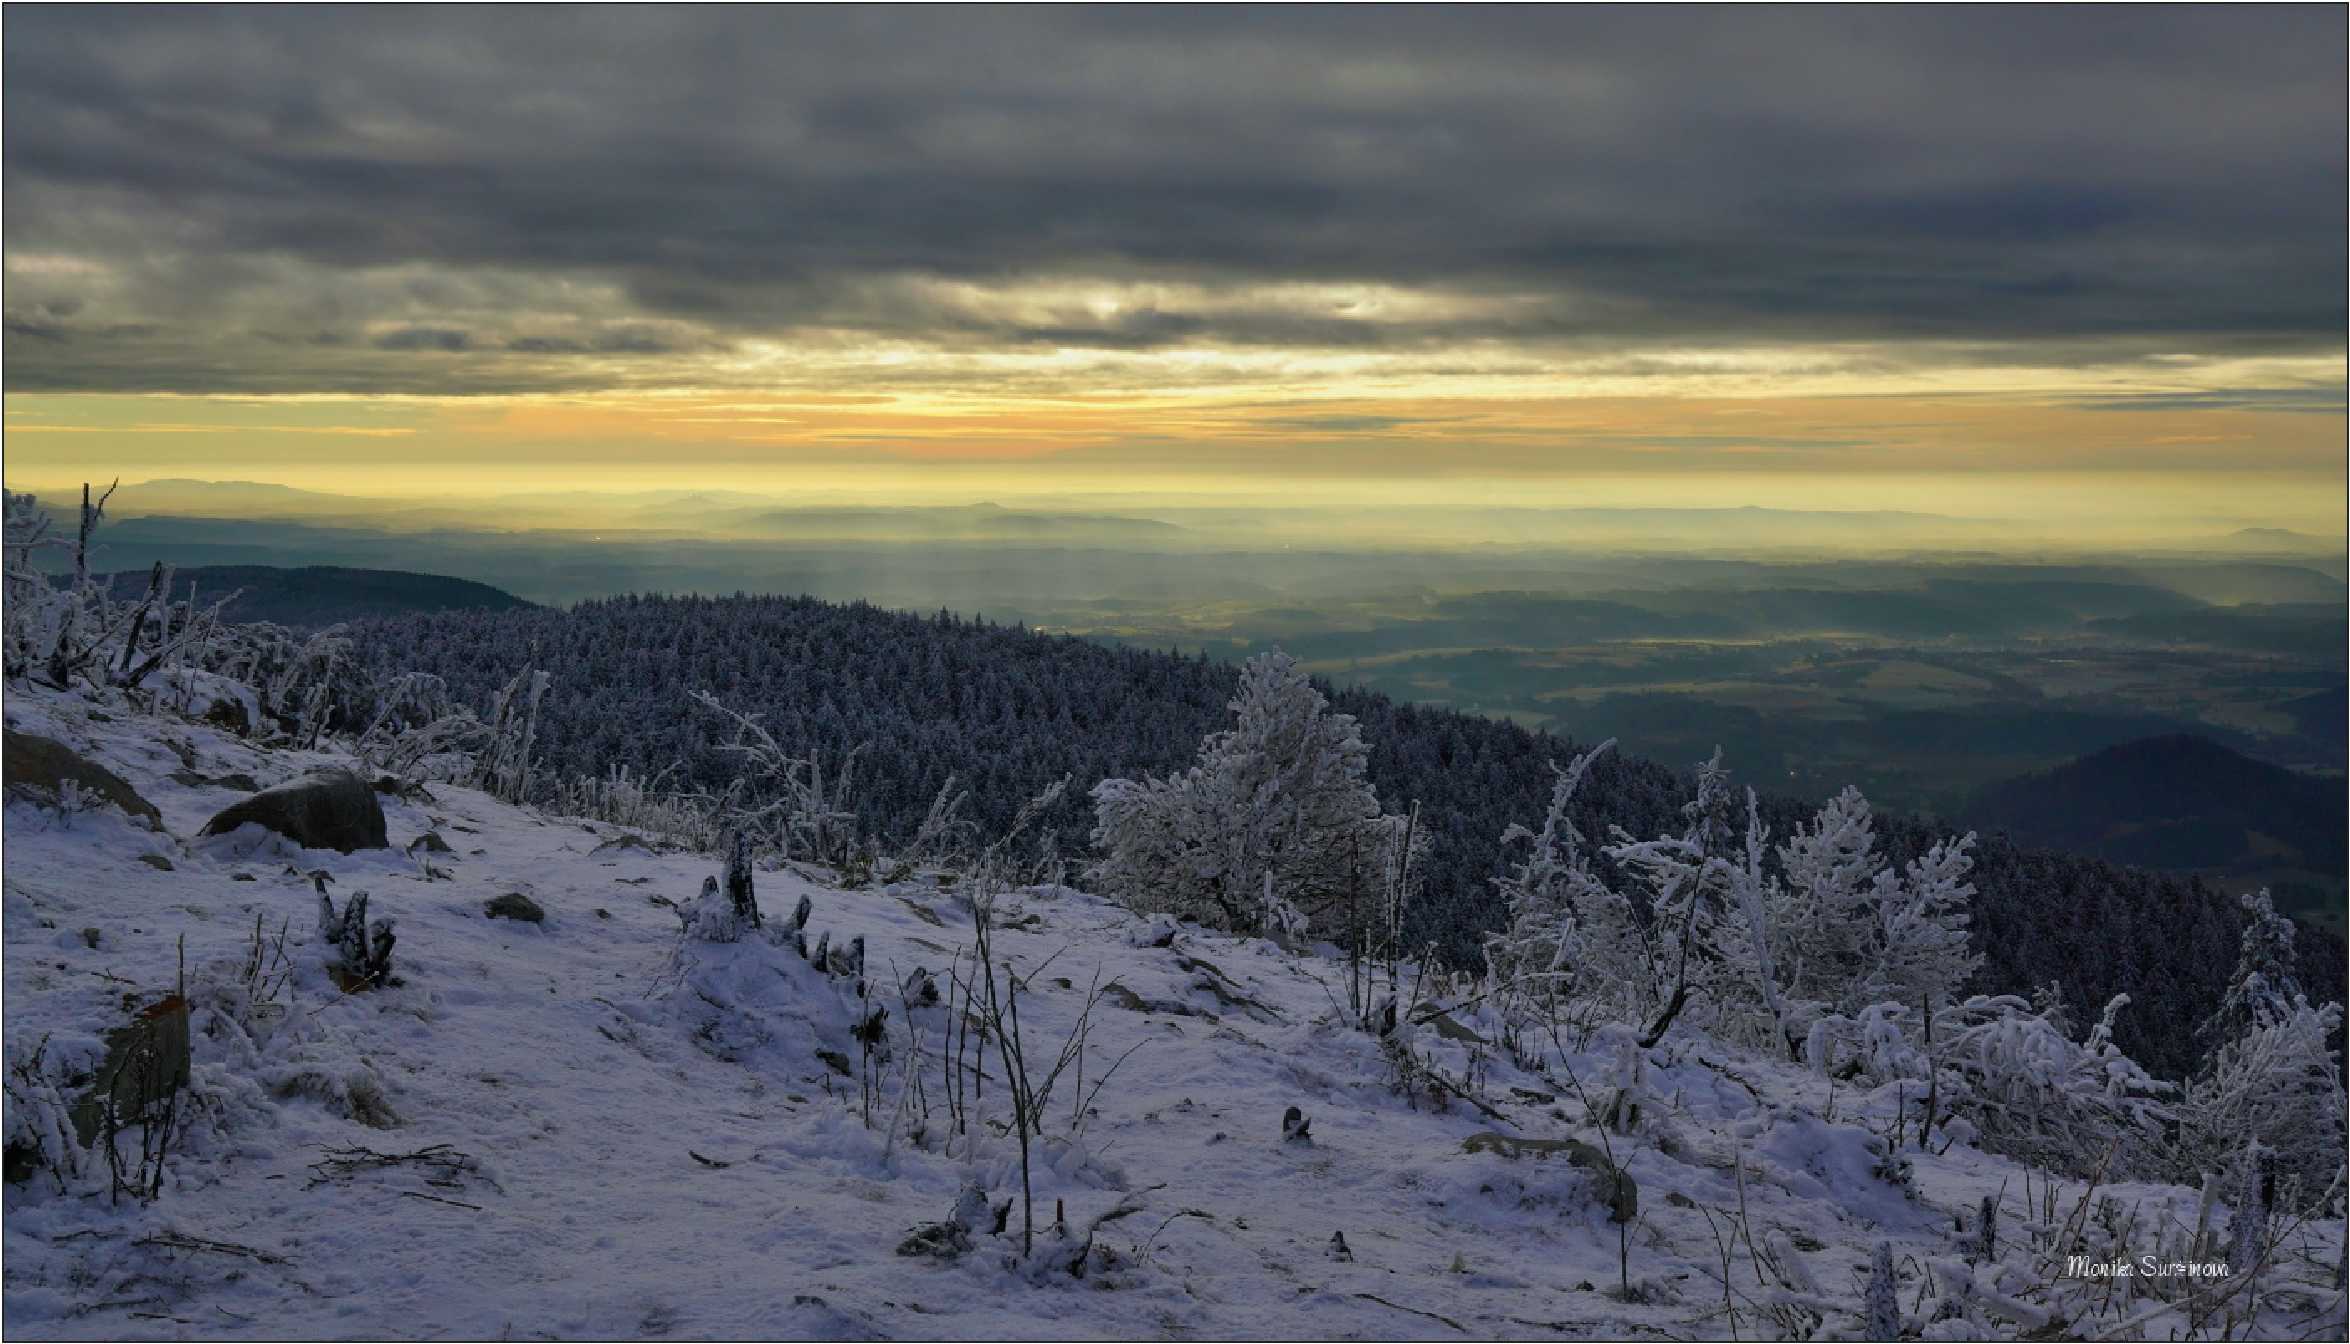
(196, 193)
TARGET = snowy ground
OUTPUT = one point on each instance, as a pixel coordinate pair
(658, 1149)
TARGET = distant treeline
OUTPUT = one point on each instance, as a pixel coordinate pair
(314, 595)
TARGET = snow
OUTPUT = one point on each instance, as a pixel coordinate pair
(638, 1135)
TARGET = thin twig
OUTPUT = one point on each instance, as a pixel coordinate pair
(176, 1241)
(1415, 1311)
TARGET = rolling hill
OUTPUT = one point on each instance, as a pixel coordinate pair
(2183, 803)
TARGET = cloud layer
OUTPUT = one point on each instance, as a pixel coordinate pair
(370, 200)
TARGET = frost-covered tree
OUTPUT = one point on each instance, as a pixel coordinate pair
(1666, 945)
(1550, 894)
(2262, 990)
(1853, 931)
(1273, 827)
(1824, 917)
(1752, 939)
(1918, 950)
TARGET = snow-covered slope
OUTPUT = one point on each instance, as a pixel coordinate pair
(626, 1133)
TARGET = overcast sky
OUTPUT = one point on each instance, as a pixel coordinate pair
(1313, 241)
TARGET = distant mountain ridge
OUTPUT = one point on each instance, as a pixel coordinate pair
(317, 595)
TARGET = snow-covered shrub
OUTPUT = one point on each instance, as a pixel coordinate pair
(503, 766)
(640, 804)
(1275, 827)
(40, 1132)
(792, 803)
(58, 631)
(2033, 1092)
(2007, 1079)
(34, 609)
(2279, 1084)
(944, 830)
(77, 632)
(308, 683)
(1874, 1046)
(419, 734)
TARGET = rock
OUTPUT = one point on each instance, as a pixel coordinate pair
(331, 809)
(1295, 1127)
(431, 843)
(938, 1241)
(92, 937)
(156, 861)
(41, 767)
(412, 790)
(1126, 998)
(1614, 1186)
(515, 905)
(146, 1062)
(230, 714)
(1452, 1030)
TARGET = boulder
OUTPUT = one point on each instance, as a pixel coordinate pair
(515, 905)
(41, 766)
(332, 809)
(146, 1062)
(1450, 1029)
(231, 714)
(1614, 1186)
